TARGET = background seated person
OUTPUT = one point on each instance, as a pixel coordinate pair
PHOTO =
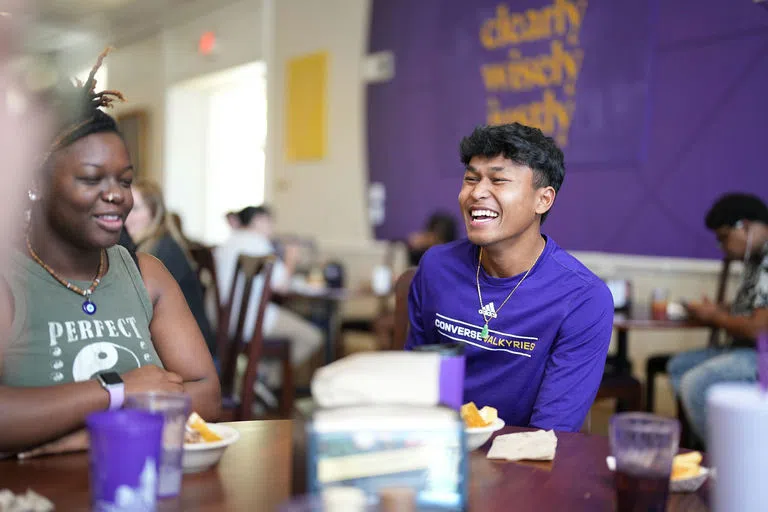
(253, 238)
(76, 305)
(535, 322)
(740, 223)
(155, 232)
(440, 229)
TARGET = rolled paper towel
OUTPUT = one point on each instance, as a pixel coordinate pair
(406, 378)
(738, 423)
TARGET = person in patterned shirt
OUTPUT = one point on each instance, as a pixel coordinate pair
(740, 223)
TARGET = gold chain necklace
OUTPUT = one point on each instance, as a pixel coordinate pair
(490, 313)
(89, 307)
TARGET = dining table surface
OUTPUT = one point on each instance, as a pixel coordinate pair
(253, 474)
(256, 474)
(577, 479)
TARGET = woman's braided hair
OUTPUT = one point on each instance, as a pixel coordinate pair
(78, 109)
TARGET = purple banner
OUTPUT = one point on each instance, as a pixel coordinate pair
(623, 86)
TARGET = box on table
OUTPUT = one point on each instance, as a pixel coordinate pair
(379, 447)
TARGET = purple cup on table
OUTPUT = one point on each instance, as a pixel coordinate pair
(125, 449)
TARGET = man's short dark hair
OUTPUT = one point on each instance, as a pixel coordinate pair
(247, 214)
(523, 145)
(733, 207)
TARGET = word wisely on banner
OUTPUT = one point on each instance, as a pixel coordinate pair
(512, 84)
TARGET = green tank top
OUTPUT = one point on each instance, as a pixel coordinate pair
(54, 342)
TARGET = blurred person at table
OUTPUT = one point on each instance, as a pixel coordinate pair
(24, 122)
(88, 324)
(253, 238)
(155, 233)
(535, 322)
(440, 229)
(233, 220)
(740, 225)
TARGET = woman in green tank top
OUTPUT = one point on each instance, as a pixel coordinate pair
(79, 309)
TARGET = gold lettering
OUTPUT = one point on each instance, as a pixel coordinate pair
(494, 76)
(516, 344)
(550, 115)
(561, 18)
(489, 33)
(558, 67)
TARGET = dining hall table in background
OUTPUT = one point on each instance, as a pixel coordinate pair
(639, 319)
(327, 302)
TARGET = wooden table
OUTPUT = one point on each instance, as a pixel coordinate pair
(328, 300)
(639, 319)
(254, 474)
(578, 479)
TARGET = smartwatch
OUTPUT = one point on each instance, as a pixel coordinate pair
(113, 384)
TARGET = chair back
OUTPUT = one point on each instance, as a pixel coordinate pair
(206, 274)
(402, 323)
(248, 269)
(722, 284)
(390, 255)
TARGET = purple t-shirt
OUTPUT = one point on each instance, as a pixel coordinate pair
(544, 358)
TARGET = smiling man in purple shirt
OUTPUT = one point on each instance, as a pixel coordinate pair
(535, 322)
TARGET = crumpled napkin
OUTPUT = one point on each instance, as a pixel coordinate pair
(29, 502)
(537, 445)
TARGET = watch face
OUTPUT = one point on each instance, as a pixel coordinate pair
(110, 378)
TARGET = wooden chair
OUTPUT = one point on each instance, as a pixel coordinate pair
(206, 273)
(402, 322)
(657, 364)
(249, 267)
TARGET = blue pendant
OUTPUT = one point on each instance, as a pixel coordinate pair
(89, 307)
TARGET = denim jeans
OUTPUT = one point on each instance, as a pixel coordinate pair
(693, 373)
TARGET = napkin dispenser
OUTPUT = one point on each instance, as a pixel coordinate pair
(374, 448)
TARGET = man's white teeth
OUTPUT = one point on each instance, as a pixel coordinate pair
(484, 213)
(110, 217)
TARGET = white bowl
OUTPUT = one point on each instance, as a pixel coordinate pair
(477, 436)
(201, 456)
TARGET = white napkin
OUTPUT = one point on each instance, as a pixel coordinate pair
(537, 445)
(368, 378)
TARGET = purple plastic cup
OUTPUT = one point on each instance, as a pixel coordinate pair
(125, 456)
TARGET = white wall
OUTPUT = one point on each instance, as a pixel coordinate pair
(326, 198)
(239, 40)
(143, 71)
(185, 157)
(138, 72)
